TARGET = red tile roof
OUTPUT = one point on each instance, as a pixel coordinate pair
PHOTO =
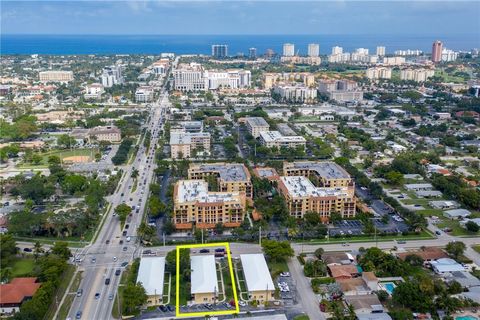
(17, 290)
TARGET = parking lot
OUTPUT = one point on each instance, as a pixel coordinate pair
(287, 294)
(355, 227)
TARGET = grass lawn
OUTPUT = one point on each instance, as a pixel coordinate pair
(421, 236)
(457, 229)
(277, 267)
(23, 266)
(476, 248)
(431, 212)
(61, 154)
(227, 281)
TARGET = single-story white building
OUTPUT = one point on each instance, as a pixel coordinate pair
(444, 265)
(151, 274)
(257, 276)
(204, 279)
(418, 186)
(456, 213)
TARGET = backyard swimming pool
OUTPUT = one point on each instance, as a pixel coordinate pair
(466, 318)
(389, 287)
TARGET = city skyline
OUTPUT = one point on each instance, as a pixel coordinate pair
(240, 17)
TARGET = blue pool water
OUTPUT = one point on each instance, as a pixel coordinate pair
(466, 318)
(389, 286)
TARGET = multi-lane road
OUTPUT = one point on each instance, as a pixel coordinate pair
(104, 257)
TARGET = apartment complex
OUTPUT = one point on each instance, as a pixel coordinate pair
(295, 93)
(332, 190)
(255, 125)
(111, 76)
(393, 61)
(417, 75)
(313, 61)
(231, 177)
(220, 50)
(105, 133)
(313, 50)
(94, 91)
(302, 196)
(55, 76)
(288, 49)
(194, 204)
(182, 144)
(381, 51)
(151, 273)
(340, 90)
(379, 73)
(270, 79)
(437, 48)
(193, 77)
(275, 139)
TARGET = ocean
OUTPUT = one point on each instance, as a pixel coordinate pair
(201, 44)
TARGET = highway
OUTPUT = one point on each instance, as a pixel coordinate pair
(109, 257)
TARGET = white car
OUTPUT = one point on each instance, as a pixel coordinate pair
(285, 274)
(242, 303)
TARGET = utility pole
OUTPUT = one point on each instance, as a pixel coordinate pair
(376, 240)
(202, 235)
(164, 239)
(260, 236)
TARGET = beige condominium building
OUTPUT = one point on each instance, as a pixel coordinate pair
(194, 204)
(183, 143)
(204, 283)
(275, 139)
(303, 196)
(332, 189)
(55, 76)
(231, 177)
(105, 133)
(255, 125)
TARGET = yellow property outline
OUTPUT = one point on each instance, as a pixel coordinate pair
(177, 288)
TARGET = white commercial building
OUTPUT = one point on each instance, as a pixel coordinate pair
(182, 145)
(151, 275)
(255, 125)
(288, 50)
(204, 286)
(340, 90)
(257, 277)
(313, 50)
(393, 61)
(94, 91)
(449, 55)
(55, 76)
(276, 139)
(144, 94)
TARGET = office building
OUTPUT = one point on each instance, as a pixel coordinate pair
(193, 205)
(313, 50)
(381, 51)
(183, 145)
(288, 50)
(111, 76)
(220, 51)
(337, 50)
(272, 139)
(302, 196)
(295, 93)
(144, 94)
(340, 90)
(437, 48)
(55, 76)
(93, 91)
(105, 133)
(151, 274)
(257, 278)
(204, 282)
(379, 73)
(255, 125)
(231, 177)
(417, 75)
(252, 53)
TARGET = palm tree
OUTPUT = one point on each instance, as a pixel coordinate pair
(37, 250)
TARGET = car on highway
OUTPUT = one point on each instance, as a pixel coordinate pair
(78, 315)
(124, 233)
(117, 272)
(124, 248)
(107, 281)
(107, 242)
(110, 296)
(438, 232)
(114, 258)
(79, 292)
(94, 260)
(128, 239)
(121, 241)
(124, 264)
(97, 295)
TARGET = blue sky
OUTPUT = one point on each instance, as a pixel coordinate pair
(240, 17)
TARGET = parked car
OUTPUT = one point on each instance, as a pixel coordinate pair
(204, 251)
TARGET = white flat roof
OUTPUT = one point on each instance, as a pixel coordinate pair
(276, 136)
(256, 272)
(197, 190)
(300, 186)
(204, 274)
(151, 274)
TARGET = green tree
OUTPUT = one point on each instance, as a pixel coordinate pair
(455, 248)
(37, 250)
(394, 178)
(123, 210)
(8, 249)
(472, 226)
(60, 248)
(146, 232)
(382, 295)
(277, 250)
(319, 252)
(66, 141)
(134, 296)
(219, 228)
